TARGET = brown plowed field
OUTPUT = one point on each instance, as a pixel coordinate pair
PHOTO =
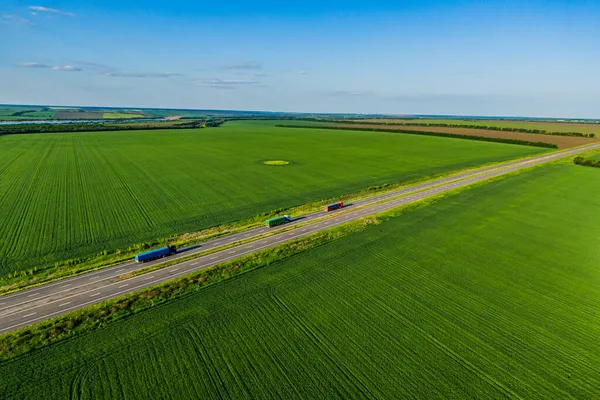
(562, 142)
(549, 126)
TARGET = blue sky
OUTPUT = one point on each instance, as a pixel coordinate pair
(525, 58)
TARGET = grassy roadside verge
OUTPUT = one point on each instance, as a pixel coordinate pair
(99, 315)
(108, 258)
(428, 133)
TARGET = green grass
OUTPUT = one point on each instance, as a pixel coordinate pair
(547, 126)
(492, 293)
(29, 113)
(120, 115)
(70, 195)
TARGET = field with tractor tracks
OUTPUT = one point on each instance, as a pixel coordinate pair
(70, 195)
(490, 293)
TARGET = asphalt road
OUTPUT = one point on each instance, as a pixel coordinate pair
(46, 301)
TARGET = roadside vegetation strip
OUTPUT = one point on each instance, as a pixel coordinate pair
(90, 194)
(430, 133)
(595, 163)
(383, 312)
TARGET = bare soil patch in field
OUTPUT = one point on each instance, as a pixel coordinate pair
(562, 142)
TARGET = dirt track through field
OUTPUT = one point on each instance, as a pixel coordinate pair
(563, 142)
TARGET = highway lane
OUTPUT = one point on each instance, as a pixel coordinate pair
(36, 304)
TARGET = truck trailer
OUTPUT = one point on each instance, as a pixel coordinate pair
(278, 221)
(156, 254)
(334, 206)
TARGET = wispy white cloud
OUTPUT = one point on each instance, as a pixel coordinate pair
(123, 74)
(246, 65)
(114, 72)
(348, 93)
(69, 68)
(50, 10)
(14, 19)
(226, 83)
(34, 65)
(302, 72)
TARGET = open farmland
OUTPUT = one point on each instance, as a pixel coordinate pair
(491, 293)
(19, 113)
(70, 195)
(561, 141)
(78, 115)
(549, 126)
(121, 115)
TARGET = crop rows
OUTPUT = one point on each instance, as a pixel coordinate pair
(549, 126)
(492, 293)
(71, 195)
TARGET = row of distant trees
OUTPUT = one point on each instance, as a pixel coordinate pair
(491, 128)
(427, 133)
(101, 126)
(588, 163)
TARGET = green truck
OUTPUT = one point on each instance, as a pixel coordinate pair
(278, 221)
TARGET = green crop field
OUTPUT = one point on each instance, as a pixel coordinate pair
(74, 194)
(24, 113)
(492, 293)
(547, 126)
(120, 115)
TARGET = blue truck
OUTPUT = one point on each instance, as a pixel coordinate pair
(334, 206)
(156, 254)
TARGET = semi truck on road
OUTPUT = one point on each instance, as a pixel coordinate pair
(334, 206)
(278, 221)
(156, 254)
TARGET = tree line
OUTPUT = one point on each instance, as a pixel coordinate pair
(101, 126)
(491, 128)
(426, 133)
(587, 163)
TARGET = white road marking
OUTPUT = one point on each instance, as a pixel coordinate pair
(28, 315)
(64, 286)
(119, 270)
(122, 286)
(194, 263)
(175, 269)
(95, 294)
(213, 258)
(64, 304)
(148, 278)
(31, 295)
